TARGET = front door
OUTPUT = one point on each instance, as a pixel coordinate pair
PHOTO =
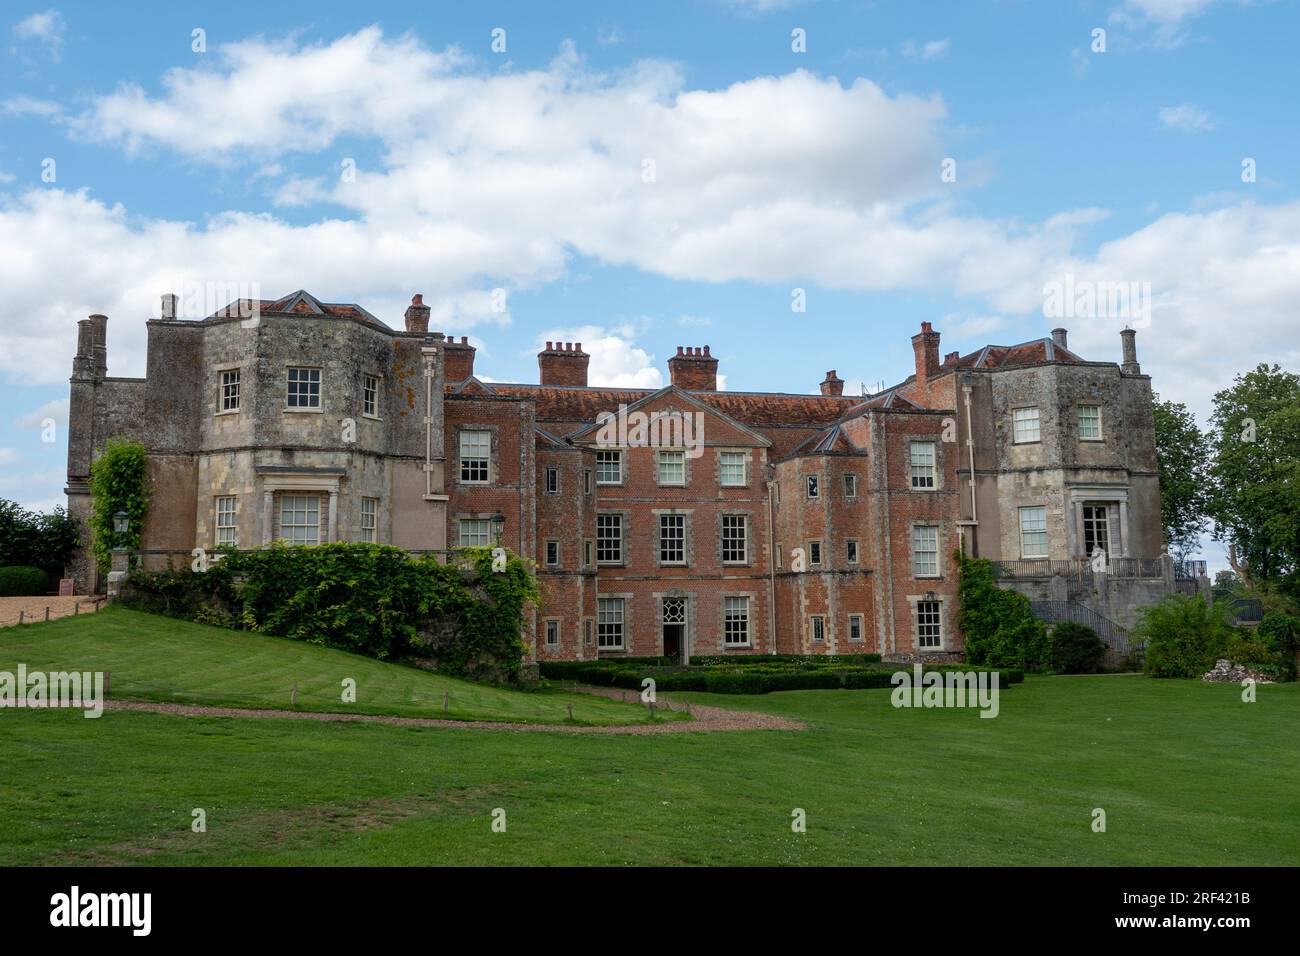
(674, 625)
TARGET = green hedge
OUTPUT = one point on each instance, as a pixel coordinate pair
(760, 678)
(22, 581)
(371, 599)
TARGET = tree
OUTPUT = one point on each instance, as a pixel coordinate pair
(1254, 492)
(1182, 455)
(45, 541)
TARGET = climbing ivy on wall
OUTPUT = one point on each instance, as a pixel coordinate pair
(118, 482)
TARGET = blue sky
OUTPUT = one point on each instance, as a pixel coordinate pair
(773, 170)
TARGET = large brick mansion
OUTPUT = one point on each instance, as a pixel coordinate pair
(735, 522)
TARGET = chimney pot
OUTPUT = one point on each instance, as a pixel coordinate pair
(548, 346)
(563, 364)
(694, 369)
(1059, 337)
(169, 305)
(417, 299)
(832, 384)
(1128, 338)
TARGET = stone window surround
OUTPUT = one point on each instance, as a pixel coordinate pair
(938, 461)
(938, 555)
(1101, 422)
(626, 598)
(749, 471)
(688, 539)
(821, 553)
(220, 370)
(493, 443)
(288, 409)
(546, 553)
(1076, 496)
(812, 630)
(686, 469)
(546, 631)
(1020, 532)
(624, 528)
(547, 471)
(216, 511)
(749, 537)
(622, 467)
(945, 640)
(850, 478)
(298, 484)
(379, 391)
(688, 631)
(752, 598)
(862, 628)
(473, 516)
(807, 489)
(1020, 407)
(852, 555)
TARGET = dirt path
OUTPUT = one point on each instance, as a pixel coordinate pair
(32, 609)
(706, 719)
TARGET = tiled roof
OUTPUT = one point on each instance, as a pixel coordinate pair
(297, 303)
(1034, 352)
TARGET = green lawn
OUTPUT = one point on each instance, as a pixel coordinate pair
(155, 658)
(1186, 772)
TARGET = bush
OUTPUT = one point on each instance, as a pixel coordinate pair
(999, 627)
(1076, 649)
(44, 541)
(365, 598)
(1183, 636)
(1280, 633)
(22, 581)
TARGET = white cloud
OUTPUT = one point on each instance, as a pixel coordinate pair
(930, 50)
(8, 456)
(40, 32)
(754, 7)
(1186, 118)
(35, 419)
(30, 106)
(7, 177)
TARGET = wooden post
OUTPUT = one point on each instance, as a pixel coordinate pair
(651, 705)
(293, 696)
(76, 607)
(47, 612)
(20, 617)
(446, 699)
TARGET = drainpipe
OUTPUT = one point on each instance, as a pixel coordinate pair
(429, 354)
(970, 453)
(771, 571)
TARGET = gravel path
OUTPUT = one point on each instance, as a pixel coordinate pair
(706, 719)
(33, 608)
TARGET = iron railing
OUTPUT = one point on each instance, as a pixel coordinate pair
(1114, 636)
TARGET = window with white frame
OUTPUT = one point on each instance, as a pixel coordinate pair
(855, 628)
(303, 388)
(735, 539)
(814, 553)
(552, 553)
(226, 521)
(671, 467)
(1033, 532)
(300, 519)
(609, 622)
(552, 633)
(1090, 422)
(813, 486)
(552, 484)
(609, 467)
(818, 627)
(230, 390)
(852, 551)
(475, 532)
(370, 395)
(929, 624)
(735, 621)
(672, 539)
(609, 539)
(921, 455)
(370, 519)
(925, 550)
(475, 456)
(731, 469)
(850, 486)
(1024, 425)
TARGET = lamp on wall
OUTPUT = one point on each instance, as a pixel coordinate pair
(121, 525)
(498, 525)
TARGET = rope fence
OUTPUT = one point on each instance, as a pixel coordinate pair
(36, 612)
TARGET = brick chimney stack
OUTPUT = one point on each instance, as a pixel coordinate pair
(417, 314)
(457, 359)
(1059, 338)
(925, 346)
(694, 370)
(563, 363)
(1128, 338)
(832, 384)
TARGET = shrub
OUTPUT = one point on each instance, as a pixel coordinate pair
(1076, 649)
(44, 541)
(365, 598)
(22, 581)
(1280, 633)
(118, 480)
(1182, 636)
(999, 627)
